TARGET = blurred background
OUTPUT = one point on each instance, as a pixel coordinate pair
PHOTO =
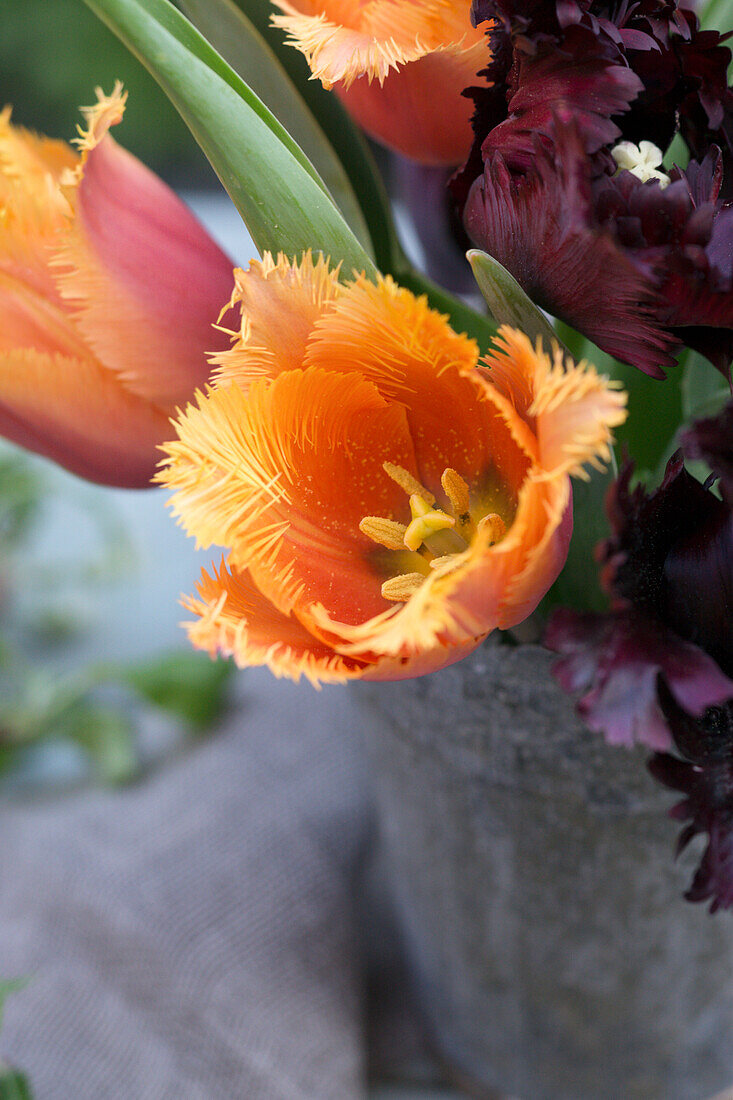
(96, 678)
(52, 55)
(99, 689)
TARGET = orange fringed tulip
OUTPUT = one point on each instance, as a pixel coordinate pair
(399, 66)
(386, 499)
(108, 291)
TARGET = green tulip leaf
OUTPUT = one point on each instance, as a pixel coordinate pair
(240, 44)
(508, 303)
(276, 189)
(716, 15)
(345, 137)
(704, 390)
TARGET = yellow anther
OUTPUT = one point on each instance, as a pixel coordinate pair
(384, 531)
(495, 526)
(425, 522)
(445, 562)
(407, 482)
(456, 490)
(399, 589)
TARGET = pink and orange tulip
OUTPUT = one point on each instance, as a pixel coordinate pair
(386, 498)
(399, 66)
(108, 291)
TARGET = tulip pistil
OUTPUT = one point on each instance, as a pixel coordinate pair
(426, 521)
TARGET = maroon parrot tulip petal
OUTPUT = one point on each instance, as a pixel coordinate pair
(568, 83)
(705, 777)
(540, 226)
(658, 668)
(617, 661)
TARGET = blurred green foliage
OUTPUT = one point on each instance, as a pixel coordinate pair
(53, 53)
(13, 1085)
(99, 708)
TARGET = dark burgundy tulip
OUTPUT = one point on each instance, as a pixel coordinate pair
(658, 668)
(706, 781)
(640, 261)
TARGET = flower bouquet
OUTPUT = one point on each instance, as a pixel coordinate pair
(396, 469)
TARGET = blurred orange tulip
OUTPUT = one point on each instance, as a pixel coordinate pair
(108, 291)
(387, 500)
(399, 66)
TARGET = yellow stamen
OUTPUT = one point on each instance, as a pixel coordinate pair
(407, 482)
(399, 589)
(444, 560)
(386, 532)
(429, 521)
(456, 490)
(425, 522)
(495, 526)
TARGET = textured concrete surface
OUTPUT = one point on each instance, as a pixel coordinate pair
(537, 892)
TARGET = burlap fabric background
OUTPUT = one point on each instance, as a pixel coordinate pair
(195, 937)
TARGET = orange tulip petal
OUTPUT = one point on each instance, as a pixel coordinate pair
(575, 410)
(298, 313)
(30, 156)
(143, 278)
(386, 58)
(284, 474)
(280, 303)
(413, 356)
(544, 559)
(77, 413)
(406, 115)
(485, 588)
(410, 633)
(236, 620)
(32, 208)
(503, 584)
(572, 409)
(344, 39)
(569, 406)
(29, 319)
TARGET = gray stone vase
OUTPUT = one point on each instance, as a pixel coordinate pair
(532, 871)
